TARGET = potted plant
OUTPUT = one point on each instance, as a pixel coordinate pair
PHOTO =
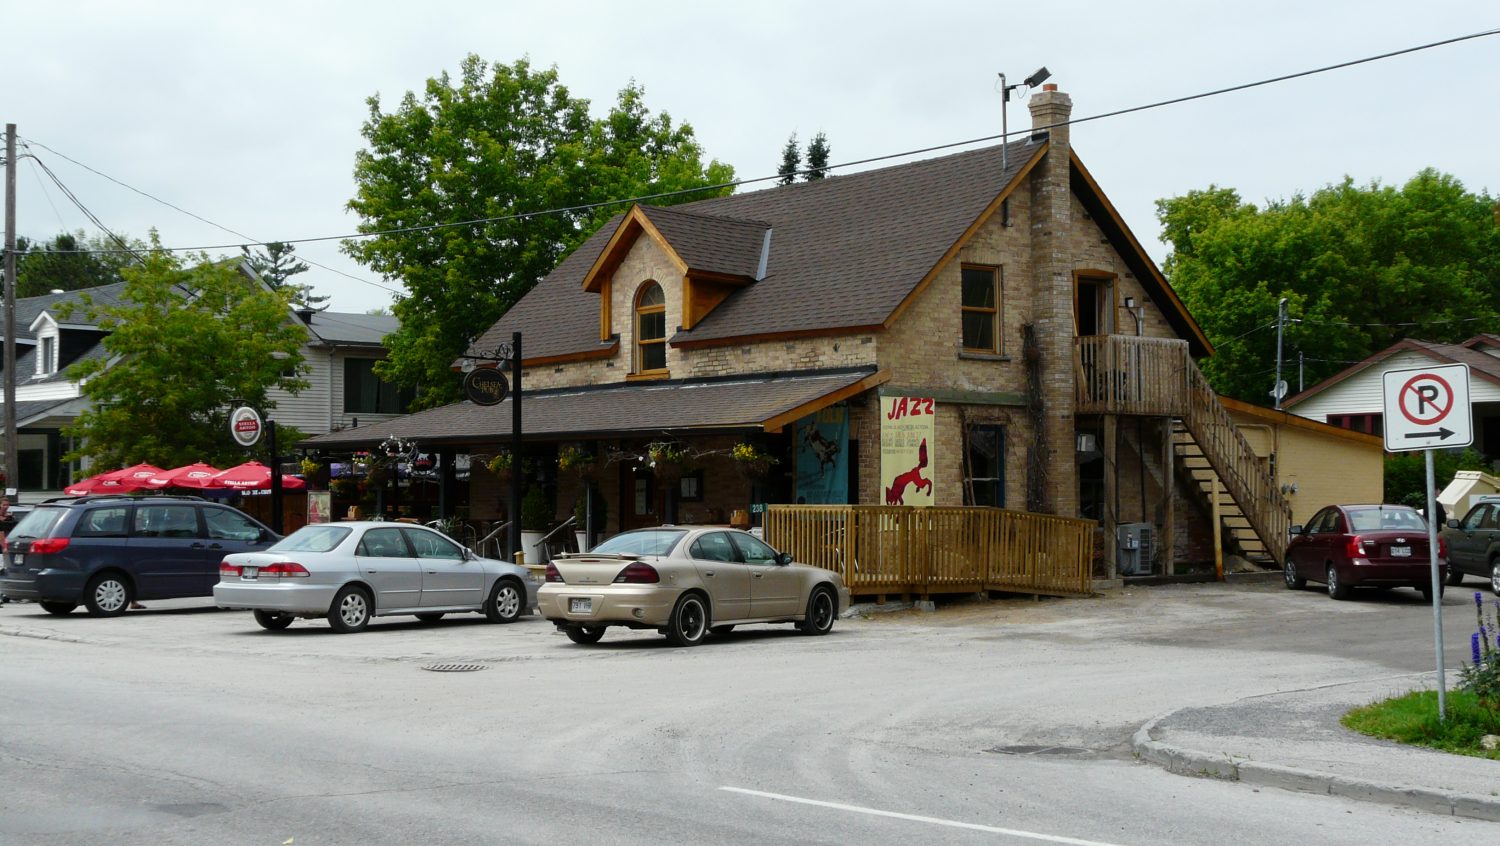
(667, 459)
(581, 521)
(315, 472)
(536, 514)
(500, 465)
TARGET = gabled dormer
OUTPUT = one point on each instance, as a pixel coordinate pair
(48, 342)
(710, 256)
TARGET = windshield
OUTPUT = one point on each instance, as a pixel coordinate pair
(645, 542)
(311, 539)
(38, 523)
(1393, 519)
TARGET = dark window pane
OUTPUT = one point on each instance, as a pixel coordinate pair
(979, 288)
(979, 331)
(654, 357)
(653, 326)
(653, 296)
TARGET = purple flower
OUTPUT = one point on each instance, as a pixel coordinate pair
(1474, 647)
(1478, 599)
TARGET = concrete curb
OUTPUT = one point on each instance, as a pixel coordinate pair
(1193, 762)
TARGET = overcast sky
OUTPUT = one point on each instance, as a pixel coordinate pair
(248, 115)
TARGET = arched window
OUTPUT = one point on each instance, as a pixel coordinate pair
(650, 329)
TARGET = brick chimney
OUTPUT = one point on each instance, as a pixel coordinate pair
(1052, 263)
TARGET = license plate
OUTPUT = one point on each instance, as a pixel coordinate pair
(577, 605)
(251, 572)
(18, 559)
(1400, 552)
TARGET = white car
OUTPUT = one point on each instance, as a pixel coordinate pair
(350, 572)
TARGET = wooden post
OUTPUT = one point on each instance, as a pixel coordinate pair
(1109, 434)
(1218, 532)
(1169, 498)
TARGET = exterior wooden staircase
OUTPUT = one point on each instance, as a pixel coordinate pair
(1156, 377)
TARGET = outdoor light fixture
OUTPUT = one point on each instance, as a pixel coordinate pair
(1130, 302)
(1037, 77)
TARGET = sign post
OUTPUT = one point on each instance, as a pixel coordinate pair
(1427, 408)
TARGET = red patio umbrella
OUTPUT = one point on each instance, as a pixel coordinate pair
(128, 479)
(83, 487)
(254, 476)
(196, 475)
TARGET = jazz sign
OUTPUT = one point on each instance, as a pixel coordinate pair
(1427, 408)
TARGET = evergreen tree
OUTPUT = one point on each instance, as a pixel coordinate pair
(817, 158)
(791, 161)
(275, 264)
(68, 262)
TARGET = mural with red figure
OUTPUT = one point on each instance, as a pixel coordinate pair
(908, 434)
(896, 493)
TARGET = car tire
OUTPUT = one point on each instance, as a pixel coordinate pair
(822, 610)
(720, 631)
(1336, 588)
(107, 595)
(1427, 592)
(58, 608)
(1495, 576)
(689, 621)
(350, 611)
(272, 621)
(429, 616)
(1455, 576)
(507, 601)
(584, 634)
(1293, 581)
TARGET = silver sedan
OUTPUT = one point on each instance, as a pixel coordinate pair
(350, 572)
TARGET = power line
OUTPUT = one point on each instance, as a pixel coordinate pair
(1399, 325)
(36, 174)
(741, 182)
(89, 214)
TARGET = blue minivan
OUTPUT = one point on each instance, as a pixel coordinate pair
(106, 552)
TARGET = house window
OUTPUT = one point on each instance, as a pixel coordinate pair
(650, 329)
(1373, 424)
(46, 363)
(366, 393)
(985, 481)
(981, 309)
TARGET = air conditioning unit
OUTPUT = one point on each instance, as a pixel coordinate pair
(1136, 545)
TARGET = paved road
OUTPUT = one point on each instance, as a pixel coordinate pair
(186, 725)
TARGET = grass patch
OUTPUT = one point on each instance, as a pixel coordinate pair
(1413, 719)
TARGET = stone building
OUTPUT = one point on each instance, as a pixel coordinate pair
(994, 300)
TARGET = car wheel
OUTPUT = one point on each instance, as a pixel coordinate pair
(505, 603)
(430, 616)
(58, 608)
(107, 595)
(350, 611)
(689, 621)
(1455, 576)
(1336, 588)
(1293, 581)
(720, 631)
(272, 621)
(821, 611)
(585, 634)
(1427, 592)
(1495, 576)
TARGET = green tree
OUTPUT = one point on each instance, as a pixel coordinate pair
(68, 262)
(497, 145)
(791, 161)
(1361, 268)
(1406, 473)
(817, 158)
(186, 344)
(275, 263)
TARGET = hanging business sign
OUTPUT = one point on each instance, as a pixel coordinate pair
(245, 426)
(486, 386)
(822, 453)
(908, 431)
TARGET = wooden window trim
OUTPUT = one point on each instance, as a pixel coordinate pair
(639, 343)
(997, 277)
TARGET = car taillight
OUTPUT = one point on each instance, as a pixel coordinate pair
(552, 575)
(47, 546)
(1356, 548)
(1442, 547)
(638, 574)
(229, 571)
(284, 570)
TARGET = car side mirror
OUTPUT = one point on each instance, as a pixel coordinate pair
(1297, 529)
(1453, 524)
(783, 558)
(468, 554)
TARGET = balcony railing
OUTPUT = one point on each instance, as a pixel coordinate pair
(1123, 374)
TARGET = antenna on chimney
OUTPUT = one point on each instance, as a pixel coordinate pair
(1037, 77)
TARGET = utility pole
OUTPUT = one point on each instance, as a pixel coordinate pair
(1276, 389)
(1299, 371)
(12, 471)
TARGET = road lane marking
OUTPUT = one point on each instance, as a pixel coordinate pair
(875, 812)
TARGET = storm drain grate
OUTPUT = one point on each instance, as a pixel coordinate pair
(1041, 750)
(453, 668)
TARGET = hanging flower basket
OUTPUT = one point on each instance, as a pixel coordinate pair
(752, 462)
(500, 465)
(575, 460)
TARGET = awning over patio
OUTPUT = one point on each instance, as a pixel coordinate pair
(763, 402)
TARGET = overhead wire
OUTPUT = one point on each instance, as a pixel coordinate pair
(582, 207)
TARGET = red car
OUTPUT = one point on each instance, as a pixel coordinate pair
(1348, 546)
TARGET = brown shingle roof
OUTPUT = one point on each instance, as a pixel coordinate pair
(712, 243)
(617, 409)
(845, 251)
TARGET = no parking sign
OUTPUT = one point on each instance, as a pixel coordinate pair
(1427, 408)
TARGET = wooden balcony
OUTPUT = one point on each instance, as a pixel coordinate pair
(1124, 374)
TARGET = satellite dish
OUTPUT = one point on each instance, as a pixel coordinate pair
(1279, 392)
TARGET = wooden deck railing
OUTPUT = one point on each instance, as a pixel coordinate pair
(901, 549)
(1124, 374)
(1246, 479)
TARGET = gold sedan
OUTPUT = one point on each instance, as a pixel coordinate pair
(687, 582)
